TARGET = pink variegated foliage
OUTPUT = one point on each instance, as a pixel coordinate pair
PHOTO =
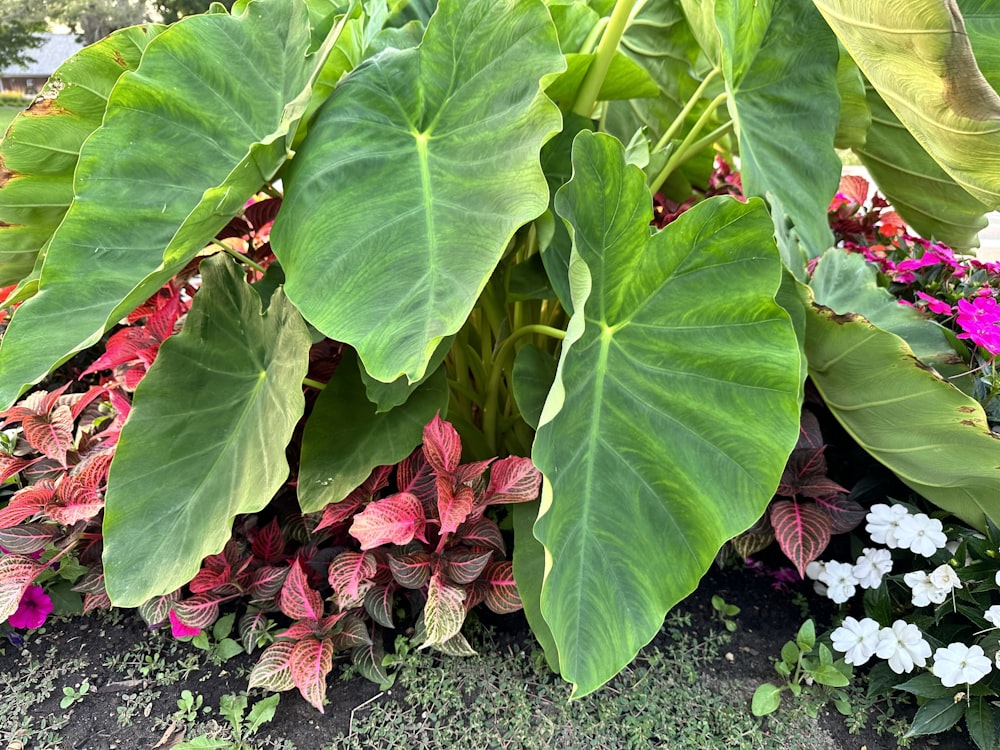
(808, 508)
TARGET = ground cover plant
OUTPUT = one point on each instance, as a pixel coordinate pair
(464, 228)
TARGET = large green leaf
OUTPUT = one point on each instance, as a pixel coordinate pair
(188, 136)
(846, 283)
(982, 23)
(413, 178)
(675, 406)
(42, 146)
(346, 437)
(232, 374)
(917, 55)
(931, 435)
(780, 64)
(927, 198)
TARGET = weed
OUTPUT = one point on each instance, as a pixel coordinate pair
(725, 612)
(72, 695)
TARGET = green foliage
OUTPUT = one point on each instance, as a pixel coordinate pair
(440, 218)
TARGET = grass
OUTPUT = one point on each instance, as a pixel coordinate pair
(6, 115)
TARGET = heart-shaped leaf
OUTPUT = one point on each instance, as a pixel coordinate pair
(416, 172)
(629, 519)
(397, 519)
(233, 373)
(298, 599)
(120, 240)
(444, 611)
(349, 570)
(502, 595)
(274, 671)
(310, 662)
(802, 530)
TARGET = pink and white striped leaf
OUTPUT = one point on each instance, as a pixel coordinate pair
(802, 530)
(472, 474)
(27, 502)
(368, 659)
(416, 476)
(93, 602)
(303, 629)
(269, 543)
(310, 661)
(93, 583)
(252, 626)
(444, 611)
(73, 502)
(92, 472)
(273, 671)
(338, 513)
(442, 446)
(501, 595)
(17, 572)
(353, 634)
(454, 505)
(297, 599)
(27, 538)
(465, 567)
(37, 403)
(11, 465)
(50, 434)
(397, 519)
(482, 533)
(266, 582)
(154, 611)
(198, 611)
(844, 512)
(513, 480)
(457, 645)
(349, 570)
(379, 603)
(413, 570)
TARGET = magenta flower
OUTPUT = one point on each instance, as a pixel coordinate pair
(935, 305)
(35, 606)
(979, 320)
(178, 629)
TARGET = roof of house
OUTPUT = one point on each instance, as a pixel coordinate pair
(53, 52)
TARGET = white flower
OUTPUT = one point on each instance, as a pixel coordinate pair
(883, 522)
(960, 664)
(903, 645)
(924, 592)
(993, 615)
(997, 578)
(816, 567)
(871, 566)
(857, 640)
(921, 534)
(840, 581)
(945, 578)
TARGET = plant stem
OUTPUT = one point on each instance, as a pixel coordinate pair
(679, 120)
(310, 383)
(687, 147)
(586, 95)
(239, 256)
(491, 409)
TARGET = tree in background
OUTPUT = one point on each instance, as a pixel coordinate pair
(20, 26)
(93, 20)
(173, 10)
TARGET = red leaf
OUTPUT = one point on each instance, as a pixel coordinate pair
(273, 671)
(11, 465)
(349, 570)
(802, 531)
(416, 476)
(805, 471)
(269, 543)
(397, 519)
(411, 571)
(310, 661)
(470, 473)
(93, 602)
(442, 446)
(73, 502)
(335, 514)
(444, 611)
(27, 502)
(454, 505)
(27, 538)
(483, 532)
(39, 403)
(52, 434)
(303, 629)
(17, 572)
(379, 602)
(297, 599)
(513, 480)
(502, 596)
(198, 611)
(465, 567)
(266, 582)
(93, 470)
(844, 512)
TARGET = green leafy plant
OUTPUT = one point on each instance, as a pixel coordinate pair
(242, 725)
(725, 612)
(803, 663)
(453, 228)
(73, 695)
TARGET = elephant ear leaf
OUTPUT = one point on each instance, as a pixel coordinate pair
(416, 173)
(917, 55)
(144, 206)
(637, 419)
(42, 145)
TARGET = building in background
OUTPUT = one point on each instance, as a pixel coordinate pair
(53, 52)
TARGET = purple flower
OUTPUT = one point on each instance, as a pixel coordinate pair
(35, 606)
(979, 320)
(934, 304)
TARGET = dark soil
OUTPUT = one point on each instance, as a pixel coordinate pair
(144, 696)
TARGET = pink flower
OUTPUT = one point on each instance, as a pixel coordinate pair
(979, 320)
(935, 305)
(35, 606)
(178, 629)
